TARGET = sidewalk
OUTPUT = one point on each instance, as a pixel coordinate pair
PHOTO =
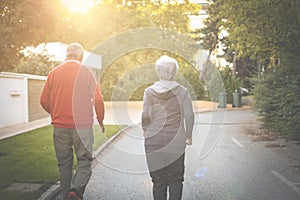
(10, 131)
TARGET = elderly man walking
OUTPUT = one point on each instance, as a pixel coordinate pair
(167, 122)
(69, 95)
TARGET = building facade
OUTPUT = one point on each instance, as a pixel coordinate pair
(20, 98)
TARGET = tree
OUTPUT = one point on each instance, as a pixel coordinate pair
(35, 63)
(266, 32)
(129, 75)
(23, 23)
(277, 100)
(110, 19)
(122, 75)
(211, 32)
(172, 16)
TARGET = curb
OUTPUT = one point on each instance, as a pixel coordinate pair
(110, 140)
(222, 109)
(51, 193)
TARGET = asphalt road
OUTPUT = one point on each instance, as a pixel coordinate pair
(222, 163)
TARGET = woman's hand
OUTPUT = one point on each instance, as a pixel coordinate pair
(189, 141)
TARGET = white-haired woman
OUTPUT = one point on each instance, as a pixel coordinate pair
(167, 122)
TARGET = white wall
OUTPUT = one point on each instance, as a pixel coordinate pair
(13, 101)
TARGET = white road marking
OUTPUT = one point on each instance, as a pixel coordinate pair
(237, 142)
(287, 182)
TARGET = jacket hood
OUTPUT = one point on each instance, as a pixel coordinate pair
(164, 89)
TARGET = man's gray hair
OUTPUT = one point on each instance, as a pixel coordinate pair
(74, 51)
(166, 67)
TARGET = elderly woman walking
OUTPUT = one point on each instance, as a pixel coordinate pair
(167, 122)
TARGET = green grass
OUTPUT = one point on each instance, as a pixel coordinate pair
(30, 158)
(100, 138)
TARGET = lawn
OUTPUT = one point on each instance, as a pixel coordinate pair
(30, 158)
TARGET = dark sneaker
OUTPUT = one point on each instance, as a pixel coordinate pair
(73, 196)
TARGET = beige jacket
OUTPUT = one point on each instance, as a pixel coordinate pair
(167, 117)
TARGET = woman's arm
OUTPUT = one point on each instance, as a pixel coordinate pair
(188, 117)
(146, 119)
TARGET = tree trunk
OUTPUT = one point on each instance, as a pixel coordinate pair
(234, 63)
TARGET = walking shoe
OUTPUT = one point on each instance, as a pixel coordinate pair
(73, 196)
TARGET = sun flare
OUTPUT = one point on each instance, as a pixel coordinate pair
(80, 6)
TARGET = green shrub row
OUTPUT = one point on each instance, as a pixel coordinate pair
(277, 99)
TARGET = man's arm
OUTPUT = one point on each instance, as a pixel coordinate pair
(99, 107)
(44, 99)
(95, 93)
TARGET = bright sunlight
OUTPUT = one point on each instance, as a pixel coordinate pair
(80, 6)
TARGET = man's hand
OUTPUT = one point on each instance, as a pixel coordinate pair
(189, 141)
(102, 127)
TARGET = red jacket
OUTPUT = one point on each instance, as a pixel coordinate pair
(69, 95)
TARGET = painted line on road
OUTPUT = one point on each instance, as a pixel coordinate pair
(237, 142)
(287, 182)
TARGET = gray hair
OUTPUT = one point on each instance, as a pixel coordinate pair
(166, 67)
(74, 51)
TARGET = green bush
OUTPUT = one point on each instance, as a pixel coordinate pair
(231, 83)
(35, 63)
(221, 80)
(277, 99)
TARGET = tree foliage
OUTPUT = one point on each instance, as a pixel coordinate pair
(278, 101)
(133, 72)
(228, 84)
(29, 23)
(259, 29)
(210, 33)
(24, 23)
(264, 34)
(35, 62)
(128, 76)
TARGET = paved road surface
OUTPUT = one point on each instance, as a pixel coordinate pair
(222, 163)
